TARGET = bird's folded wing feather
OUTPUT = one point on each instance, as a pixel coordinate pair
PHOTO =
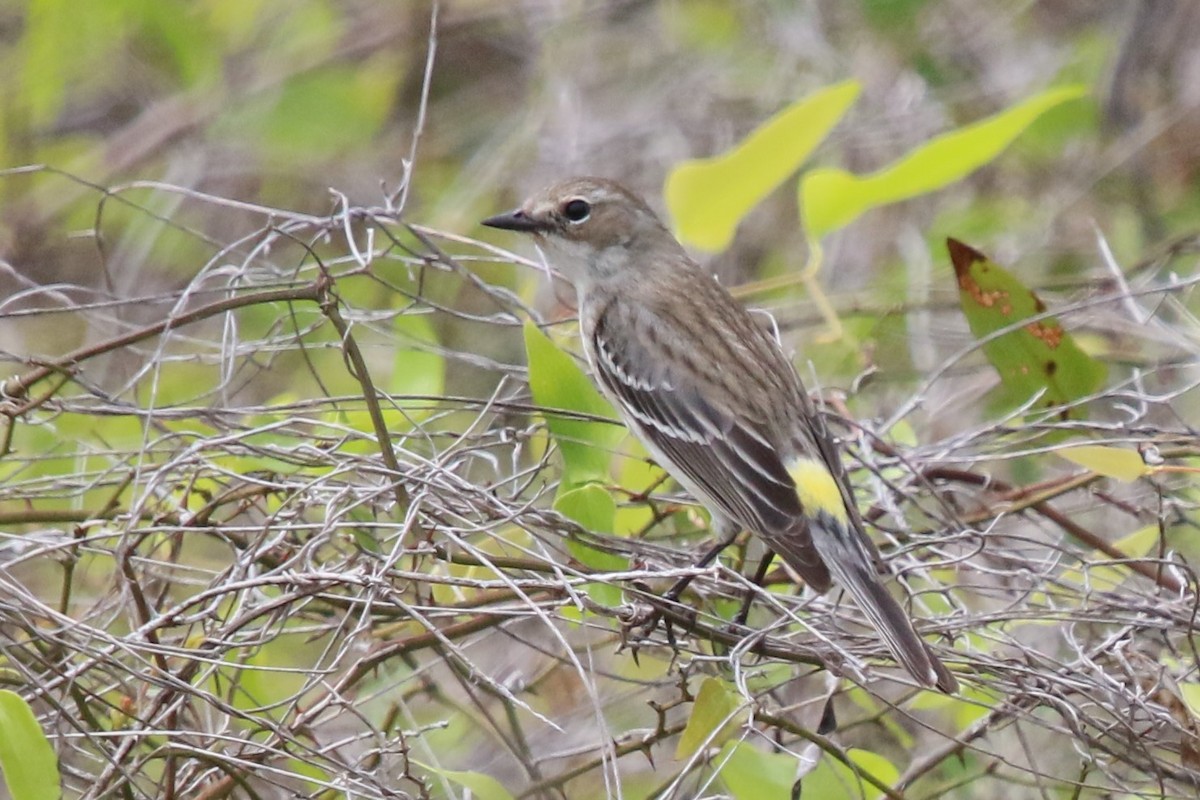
(724, 452)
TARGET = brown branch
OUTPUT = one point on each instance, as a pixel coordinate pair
(1038, 501)
(329, 302)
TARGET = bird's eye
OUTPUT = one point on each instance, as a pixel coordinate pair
(577, 210)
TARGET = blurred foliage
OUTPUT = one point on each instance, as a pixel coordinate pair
(709, 197)
(27, 761)
(831, 198)
(212, 583)
(577, 413)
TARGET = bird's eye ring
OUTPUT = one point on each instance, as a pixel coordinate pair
(577, 210)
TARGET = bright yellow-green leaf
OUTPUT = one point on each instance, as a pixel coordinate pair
(875, 764)
(1191, 697)
(833, 198)
(966, 712)
(559, 385)
(708, 197)
(1111, 462)
(593, 507)
(26, 758)
(481, 786)
(833, 780)
(1038, 357)
(715, 717)
(751, 774)
(1107, 577)
(636, 473)
(590, 505)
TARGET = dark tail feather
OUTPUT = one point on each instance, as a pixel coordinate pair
(946, 680)
(853, 570)
(897, 630)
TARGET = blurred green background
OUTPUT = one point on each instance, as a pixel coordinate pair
(161, 155)
(276, 103)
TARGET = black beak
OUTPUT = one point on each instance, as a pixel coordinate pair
(515, 221)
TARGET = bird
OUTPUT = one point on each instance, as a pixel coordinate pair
(709, 391)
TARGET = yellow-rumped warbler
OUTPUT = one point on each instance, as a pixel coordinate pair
(712, 396)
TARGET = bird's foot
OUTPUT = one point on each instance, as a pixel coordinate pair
(640, 618)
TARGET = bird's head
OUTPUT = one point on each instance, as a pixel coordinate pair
(592, 227)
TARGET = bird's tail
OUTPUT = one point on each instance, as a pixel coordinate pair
(854, 570)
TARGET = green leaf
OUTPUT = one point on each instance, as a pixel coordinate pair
(1191, 697)
(750, 774)
(589, 505)
(481, 786)
(1111, 462)
(558, 384)
(26, 757)
(636, 473)
(594, 508)
(714, 717)
(833, 198)
(1039, 357)
(708, 197)
(833, 780)
(875, 764)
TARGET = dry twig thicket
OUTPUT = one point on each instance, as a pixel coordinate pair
(210, 589)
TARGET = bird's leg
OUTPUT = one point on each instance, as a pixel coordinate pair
(727, 533)
(759, 577)
(709, 556)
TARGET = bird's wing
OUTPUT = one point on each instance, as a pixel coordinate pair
(720, 452)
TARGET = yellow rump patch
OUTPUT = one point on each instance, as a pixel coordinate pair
(817, 489)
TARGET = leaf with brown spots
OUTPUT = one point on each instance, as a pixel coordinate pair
(1040, 357)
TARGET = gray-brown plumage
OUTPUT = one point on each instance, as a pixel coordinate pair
(708, 390)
